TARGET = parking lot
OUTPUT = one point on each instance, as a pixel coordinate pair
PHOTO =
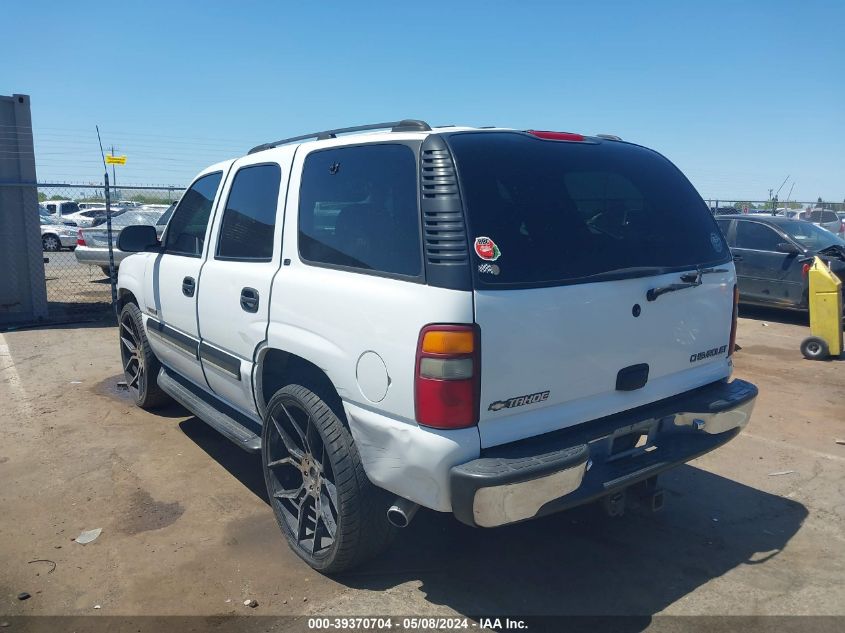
(74, 288)
(753, 528)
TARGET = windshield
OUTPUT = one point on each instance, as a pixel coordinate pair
(810, 236)
(551, 212)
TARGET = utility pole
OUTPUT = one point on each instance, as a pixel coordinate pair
(113, 172)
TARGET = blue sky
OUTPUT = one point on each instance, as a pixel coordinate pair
(738, 94)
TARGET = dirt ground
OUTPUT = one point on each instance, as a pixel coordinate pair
(755, 528)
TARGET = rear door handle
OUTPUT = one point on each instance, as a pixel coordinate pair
(737, 258)
(188, 286)
(249, 299)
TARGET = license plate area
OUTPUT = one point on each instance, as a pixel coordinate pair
(631, 441)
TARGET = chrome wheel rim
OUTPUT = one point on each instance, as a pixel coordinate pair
(301, 480)
(130, 353)
(814, 348)
(50, 244)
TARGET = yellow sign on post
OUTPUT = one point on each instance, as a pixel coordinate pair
(116, 160)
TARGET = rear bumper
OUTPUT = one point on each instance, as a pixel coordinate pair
(559, 470)
(98, 256)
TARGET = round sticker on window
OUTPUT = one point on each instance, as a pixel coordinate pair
(716, 241)
(486, 249)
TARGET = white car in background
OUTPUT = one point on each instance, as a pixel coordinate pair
(92, 216)
(827, 219)
(93, 242)
(61, 209)
(55, 237)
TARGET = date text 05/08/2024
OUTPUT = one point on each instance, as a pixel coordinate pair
(412, 623)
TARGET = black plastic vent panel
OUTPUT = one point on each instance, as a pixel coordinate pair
(443, 217)
(438, 174)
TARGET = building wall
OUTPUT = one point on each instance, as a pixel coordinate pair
(23, 294)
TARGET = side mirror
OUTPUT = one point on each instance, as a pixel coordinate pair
(138, 239)
(788, 248)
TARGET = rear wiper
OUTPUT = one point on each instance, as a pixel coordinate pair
(653, 293)
(696, 276)
(691, 280)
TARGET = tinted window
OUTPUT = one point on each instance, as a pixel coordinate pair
(756, 236)
(358, 208)
(186, 233)
(724, 227)
(250, 216)
(558, 212)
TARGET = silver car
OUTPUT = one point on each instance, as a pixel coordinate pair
(93, 245)
(827, 219)
(55, 237)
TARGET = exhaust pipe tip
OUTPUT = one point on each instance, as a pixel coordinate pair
(401, 511)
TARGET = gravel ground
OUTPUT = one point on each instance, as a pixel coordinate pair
(187, 529)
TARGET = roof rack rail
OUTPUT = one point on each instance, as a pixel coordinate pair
(405, 125)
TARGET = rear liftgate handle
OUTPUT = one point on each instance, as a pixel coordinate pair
(188, 286)
(249, 299)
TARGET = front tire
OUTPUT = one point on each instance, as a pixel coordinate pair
(140, 365)
(330, 513)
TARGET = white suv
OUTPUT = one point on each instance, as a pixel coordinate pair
(495, 323)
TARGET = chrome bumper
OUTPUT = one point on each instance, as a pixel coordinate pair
(566, 468)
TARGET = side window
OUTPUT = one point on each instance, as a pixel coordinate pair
(829, 216)
(724, 227)
(51, 208)
(358, 208)
(246, 231)
(186, 233)
(756, 236)
(69, 207)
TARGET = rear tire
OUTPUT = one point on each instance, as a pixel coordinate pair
(330, 513)
(140, 365)
(106, 270)
(51, 243)
(814, 348)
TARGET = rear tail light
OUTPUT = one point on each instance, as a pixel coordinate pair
(842, 228)
(448, 376)
(80, 239)
(734, 318)
(556, 136)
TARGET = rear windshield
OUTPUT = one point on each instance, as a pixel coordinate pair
(544, 213)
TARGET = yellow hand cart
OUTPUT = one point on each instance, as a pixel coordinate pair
(825, 313)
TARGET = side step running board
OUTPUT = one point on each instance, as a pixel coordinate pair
(225, 423)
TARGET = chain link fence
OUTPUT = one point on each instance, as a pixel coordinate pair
(74, 241)
(768, 206)
(74, 238)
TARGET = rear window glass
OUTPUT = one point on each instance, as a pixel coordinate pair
(547, 212)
